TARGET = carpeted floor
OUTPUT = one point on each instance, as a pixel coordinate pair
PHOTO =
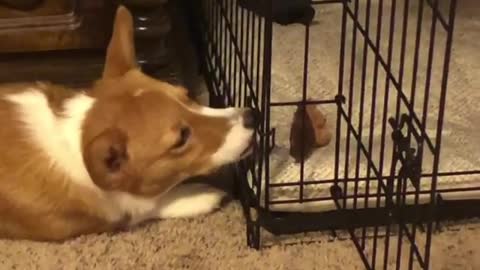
(217, 241)
(211, 242)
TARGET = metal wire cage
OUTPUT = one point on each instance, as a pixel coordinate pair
(387, 110)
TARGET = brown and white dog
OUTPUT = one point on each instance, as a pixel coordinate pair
(74, 163)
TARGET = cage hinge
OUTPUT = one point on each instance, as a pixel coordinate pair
(269, 139)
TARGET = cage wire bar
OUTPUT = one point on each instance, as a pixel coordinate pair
(392, 218)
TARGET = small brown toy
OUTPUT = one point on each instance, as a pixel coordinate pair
(316, 133)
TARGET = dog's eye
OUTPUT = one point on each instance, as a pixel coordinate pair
(183, 137)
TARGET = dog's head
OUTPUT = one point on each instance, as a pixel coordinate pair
(143, 135)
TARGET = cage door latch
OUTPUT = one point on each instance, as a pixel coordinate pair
(410, 157)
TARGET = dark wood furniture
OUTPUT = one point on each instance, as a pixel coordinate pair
(65, 40)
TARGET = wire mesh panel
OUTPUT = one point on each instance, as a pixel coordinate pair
(376, 72)
(393, 124)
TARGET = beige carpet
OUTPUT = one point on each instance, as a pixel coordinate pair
(218, 241)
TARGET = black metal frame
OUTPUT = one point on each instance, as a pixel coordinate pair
(236, 47)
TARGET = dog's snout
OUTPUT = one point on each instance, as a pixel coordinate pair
(249, 119)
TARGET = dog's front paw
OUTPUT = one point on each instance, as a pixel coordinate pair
(190, 200)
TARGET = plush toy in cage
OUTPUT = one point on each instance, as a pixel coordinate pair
(308, 132)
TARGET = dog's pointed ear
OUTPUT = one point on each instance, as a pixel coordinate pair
(107, 161)
(120, 57)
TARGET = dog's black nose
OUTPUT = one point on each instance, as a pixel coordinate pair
(249, 119)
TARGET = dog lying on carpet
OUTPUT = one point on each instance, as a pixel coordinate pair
(111, 157)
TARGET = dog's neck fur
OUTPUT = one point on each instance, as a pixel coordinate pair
(55, 126)
(41, 170)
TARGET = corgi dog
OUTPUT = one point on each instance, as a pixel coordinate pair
(111, 156)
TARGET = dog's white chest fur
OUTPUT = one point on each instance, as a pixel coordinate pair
(59, 137)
